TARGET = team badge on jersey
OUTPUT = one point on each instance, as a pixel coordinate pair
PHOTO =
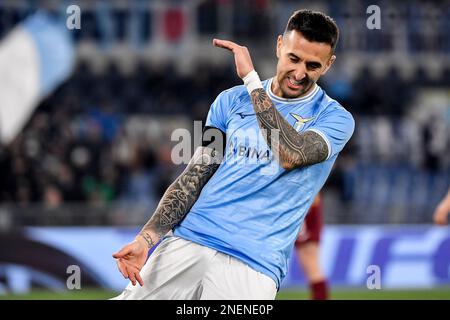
(300, 121)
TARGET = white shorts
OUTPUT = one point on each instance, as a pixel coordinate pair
(183, 270)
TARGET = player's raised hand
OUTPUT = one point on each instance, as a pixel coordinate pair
(242, 57)
(130, 260)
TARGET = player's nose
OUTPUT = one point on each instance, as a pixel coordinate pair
(300, 72)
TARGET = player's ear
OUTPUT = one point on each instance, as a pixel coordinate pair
(329, 63)
(279, 45)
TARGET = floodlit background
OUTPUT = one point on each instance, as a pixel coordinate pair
(86, 117)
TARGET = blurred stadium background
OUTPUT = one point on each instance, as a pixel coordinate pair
(93, 156)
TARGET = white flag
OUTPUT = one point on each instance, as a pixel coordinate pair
(35, 57)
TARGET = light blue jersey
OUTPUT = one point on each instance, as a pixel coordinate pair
(252, 208)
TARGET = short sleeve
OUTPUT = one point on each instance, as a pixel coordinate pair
(336, 126)
(218, 112)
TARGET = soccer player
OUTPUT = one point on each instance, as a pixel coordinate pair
(308, 250)
(228, 228)
(442, 210)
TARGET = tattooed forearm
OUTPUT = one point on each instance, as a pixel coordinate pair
(292, 149)
(180, 196)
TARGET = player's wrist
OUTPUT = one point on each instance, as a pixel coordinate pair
(252, 81)
(145, 239)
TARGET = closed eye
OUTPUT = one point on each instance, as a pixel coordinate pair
(313, 65)
(293, 58)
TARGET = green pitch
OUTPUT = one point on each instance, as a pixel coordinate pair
(366, 294)
(338, 294)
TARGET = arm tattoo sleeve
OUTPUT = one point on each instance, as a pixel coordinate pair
(292, 149)
(181, 195)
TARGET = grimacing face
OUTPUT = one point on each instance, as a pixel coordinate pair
(300, 64)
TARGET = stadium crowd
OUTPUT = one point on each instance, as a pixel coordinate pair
(77, 147)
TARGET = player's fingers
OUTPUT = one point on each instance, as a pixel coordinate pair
(122, 252)
(131, 275)
(225, 44)
(122, 268)
(139, 279)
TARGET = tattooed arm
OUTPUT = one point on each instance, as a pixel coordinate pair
(174, 205)
(292, 149)
(180, 196)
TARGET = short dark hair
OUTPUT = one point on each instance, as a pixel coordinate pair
(314, 26)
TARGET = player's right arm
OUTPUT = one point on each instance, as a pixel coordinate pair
(172, 208)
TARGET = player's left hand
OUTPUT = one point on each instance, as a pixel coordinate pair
(131, 258)
(242, 57)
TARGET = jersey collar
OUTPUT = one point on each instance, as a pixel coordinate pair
(295, 100)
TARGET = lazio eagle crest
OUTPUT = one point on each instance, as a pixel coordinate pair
(300, 121)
